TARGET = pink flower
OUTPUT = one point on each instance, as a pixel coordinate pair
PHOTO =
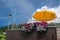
(38, 23)
(27, 25)
(43, 23)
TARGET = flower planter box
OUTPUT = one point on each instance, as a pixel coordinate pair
(50, 34)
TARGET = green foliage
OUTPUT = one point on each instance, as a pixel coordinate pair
(51, 24)
(3, 29)
(2, 36)
(20, 25)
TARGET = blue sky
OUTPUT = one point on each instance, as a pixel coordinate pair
(22, 10)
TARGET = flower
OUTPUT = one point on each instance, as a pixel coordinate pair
(27, 25)
(43, 23)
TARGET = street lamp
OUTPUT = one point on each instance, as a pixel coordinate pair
(10, 15)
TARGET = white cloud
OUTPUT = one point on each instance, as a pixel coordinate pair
(44, 7)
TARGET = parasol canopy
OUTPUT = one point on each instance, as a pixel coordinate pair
(44, 15)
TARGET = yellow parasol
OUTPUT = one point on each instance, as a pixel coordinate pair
(44, 15)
